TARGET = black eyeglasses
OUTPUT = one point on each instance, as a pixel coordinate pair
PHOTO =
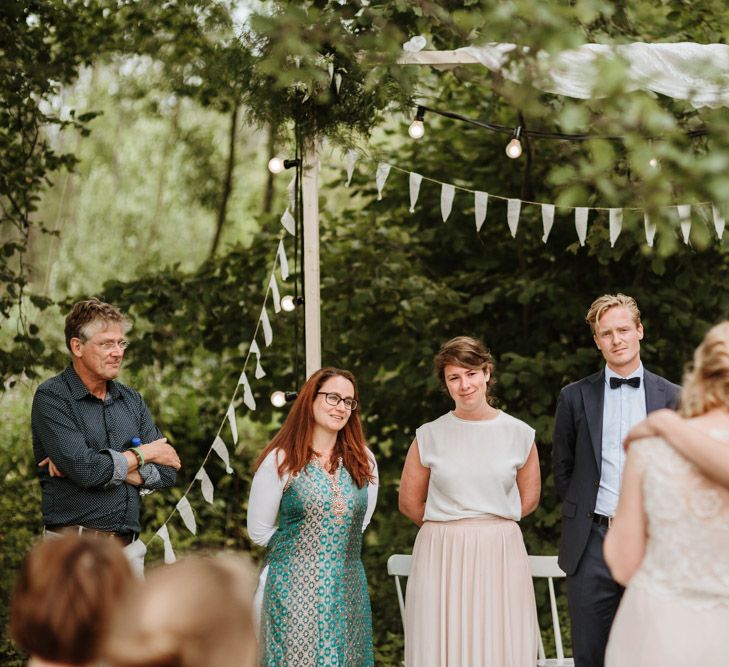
(335, 399)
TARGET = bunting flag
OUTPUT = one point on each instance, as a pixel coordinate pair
(247, 393)
(616, 224)
(266, 324)
(330, 69)
(480, 205)
(221, 450)
(349, 160)
(383, 171)
(259, 369)
(684, 215)
(188, 518)
(288, 222)
(233, 423)
(135, 553)
(581, 223)
(273, 286)
(164, 535)
(283, 262)
(719, 222)
(447, 192)
(513, 208)
(547, 220)
(338, 81)
(650, 229)
(206, 486)
(415, 180)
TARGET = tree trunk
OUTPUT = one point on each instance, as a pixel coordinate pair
(269, 191)
(227, 183)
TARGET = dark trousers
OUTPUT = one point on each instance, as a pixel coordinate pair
(593, 597)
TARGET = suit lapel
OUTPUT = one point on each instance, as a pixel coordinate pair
(655, 392)
(593, 395)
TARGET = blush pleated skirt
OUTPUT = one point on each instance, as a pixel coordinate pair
(469, 597)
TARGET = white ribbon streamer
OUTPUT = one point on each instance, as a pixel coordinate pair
(188, 518)
(233, 423)
(383, 171)
(273, 285)
(266, 324)
(283, 262)
(447, 192)
(480, 205)
(350, 160)
(513, 208)
(221, 450)
(719, 221)
(164, 535)
(684, 215)
(206, 486)
(581, 223)
(547, 220)
(259, 369)
(650, 229)
(288, 222)
(415, 180)
(247, 393)
(616, 224)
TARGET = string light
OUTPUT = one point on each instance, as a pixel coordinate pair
(513, 148)
(276, 164)
(289, 303)
(280, 398)
(417, 128)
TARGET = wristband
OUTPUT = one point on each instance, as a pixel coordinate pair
(139, 455)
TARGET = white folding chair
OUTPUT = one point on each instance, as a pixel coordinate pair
(546, 567)
(398, 565)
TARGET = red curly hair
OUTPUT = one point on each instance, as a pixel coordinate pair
(295, 436)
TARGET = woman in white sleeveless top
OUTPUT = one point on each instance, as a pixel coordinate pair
(468, 478)
(669, 542)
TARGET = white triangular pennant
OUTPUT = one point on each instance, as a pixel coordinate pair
(221, 450)
(273, 286)
(188, 518)
(383, 170)
(135, 553)
(547, 220)
(719, 221)
(247, 393)
(480, 204)
(330, 69)
(266, 324)
(283, 262)
(206, 486)
(684, 215)
(233, 423)
(259, 369)
(415, 180)
(338, 81)
(650, 229)
(349, 161)
(164, 535)
(581, 223)
(616, 224)
(288, 222)
(513, 208)
(447, 192)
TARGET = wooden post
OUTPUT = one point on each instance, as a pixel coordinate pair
(312, 301)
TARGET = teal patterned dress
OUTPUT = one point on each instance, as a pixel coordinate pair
(316, 608)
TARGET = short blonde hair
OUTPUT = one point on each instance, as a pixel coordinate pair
(466, 352)
(607, 301)
(706, 381)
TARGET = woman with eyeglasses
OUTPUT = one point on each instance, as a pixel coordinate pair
(469, 477)
(320, 479)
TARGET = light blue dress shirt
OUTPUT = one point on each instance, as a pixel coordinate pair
(622, 409)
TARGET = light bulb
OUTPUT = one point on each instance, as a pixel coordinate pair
(276, 165)
(287, 303)
(416, 129)
(513, 148)
(653, 163)
(278, 399)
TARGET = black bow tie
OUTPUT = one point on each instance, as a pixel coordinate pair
(616, 382)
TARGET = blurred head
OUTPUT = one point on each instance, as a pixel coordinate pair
(64, 596)
(466, 353)
(311, 409)
(706, 381)
(95, 337)
(192, 613)
(617, 331)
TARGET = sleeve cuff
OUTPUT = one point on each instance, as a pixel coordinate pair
(121, 468)
(149, 474)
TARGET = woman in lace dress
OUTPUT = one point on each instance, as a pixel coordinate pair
(468, 478)
(670, 537)
(319, 478)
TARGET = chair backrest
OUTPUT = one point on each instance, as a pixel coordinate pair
(398, 565)
(546, 567)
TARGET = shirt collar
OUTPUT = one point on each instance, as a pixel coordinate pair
(637, 373)
(79, 390)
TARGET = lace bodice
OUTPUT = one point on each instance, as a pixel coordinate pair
(687, 553)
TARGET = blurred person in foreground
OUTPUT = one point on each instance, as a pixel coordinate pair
(194, 613)
(63, 598)
(88, 431)
(670, 536)
(469, 477)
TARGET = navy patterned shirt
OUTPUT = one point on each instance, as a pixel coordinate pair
(85, 436)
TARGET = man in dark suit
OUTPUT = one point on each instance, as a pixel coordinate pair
(593, 417)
